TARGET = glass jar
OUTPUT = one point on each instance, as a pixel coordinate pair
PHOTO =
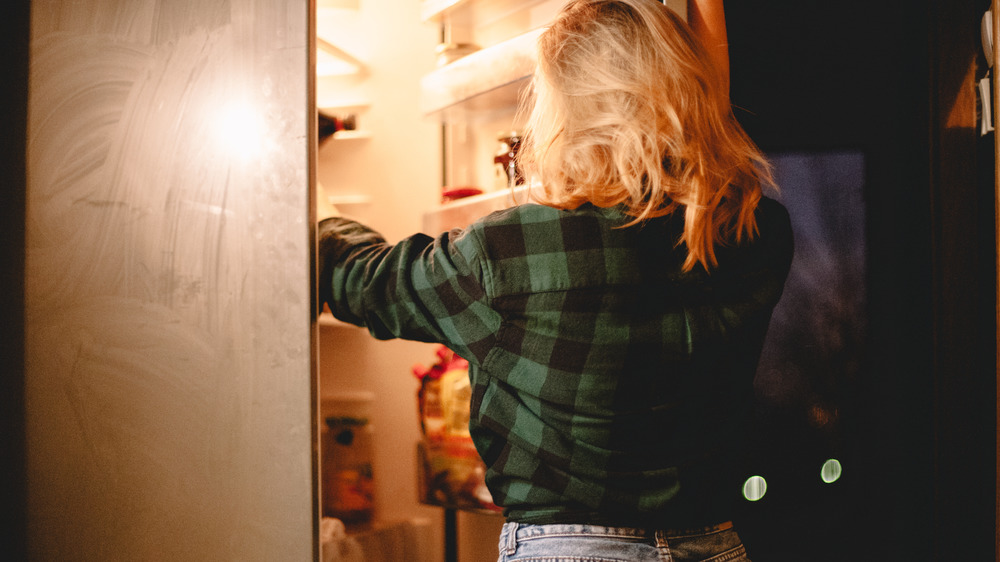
(347, 449)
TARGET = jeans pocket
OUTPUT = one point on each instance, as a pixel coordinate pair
(585, 543)
(738, 554)
(719, 546)
(573, 543)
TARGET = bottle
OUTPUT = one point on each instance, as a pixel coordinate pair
(506, 159)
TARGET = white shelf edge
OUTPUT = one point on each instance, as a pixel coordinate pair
(434, 10)
(505, 194)
(488, 70)
(327, 319)
(353, 199)
(438, 11)
(341, 55)
(346, 5)
(344, 104)
(351, 135)
(462, 212)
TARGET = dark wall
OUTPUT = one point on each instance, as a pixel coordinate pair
(880, 78)
(963, 215)
(13, 122)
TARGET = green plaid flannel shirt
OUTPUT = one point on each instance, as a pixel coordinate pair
(609, 386)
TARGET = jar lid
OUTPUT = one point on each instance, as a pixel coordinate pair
(347, 405)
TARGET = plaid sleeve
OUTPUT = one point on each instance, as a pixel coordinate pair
(423, 288)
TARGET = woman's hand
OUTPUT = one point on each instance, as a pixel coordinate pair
(708, 20)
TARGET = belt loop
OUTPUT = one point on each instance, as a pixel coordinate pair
(511, 538)
(663, 546)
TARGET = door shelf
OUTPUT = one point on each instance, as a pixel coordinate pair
(331, 60)
(331, 106)
(351, 135)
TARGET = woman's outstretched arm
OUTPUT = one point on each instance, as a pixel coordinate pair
(708, 20)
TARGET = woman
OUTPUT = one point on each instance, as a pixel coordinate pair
(613, 330)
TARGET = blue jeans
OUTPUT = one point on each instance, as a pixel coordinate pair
(591, 543)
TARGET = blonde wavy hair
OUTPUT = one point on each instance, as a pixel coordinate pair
(628, 109)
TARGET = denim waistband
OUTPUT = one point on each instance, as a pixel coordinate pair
(513, 532)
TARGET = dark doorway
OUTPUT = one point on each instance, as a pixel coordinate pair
(907, 401)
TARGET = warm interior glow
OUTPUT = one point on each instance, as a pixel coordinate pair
(330, 65)
(331, 60)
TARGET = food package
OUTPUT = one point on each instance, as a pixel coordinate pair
(451, 471)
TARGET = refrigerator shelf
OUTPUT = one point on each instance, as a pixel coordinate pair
(465, 12)
(462, 212)
(488, 81)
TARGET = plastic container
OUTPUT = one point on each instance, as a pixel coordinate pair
(347, 449)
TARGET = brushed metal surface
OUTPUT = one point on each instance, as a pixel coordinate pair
(168, 302)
